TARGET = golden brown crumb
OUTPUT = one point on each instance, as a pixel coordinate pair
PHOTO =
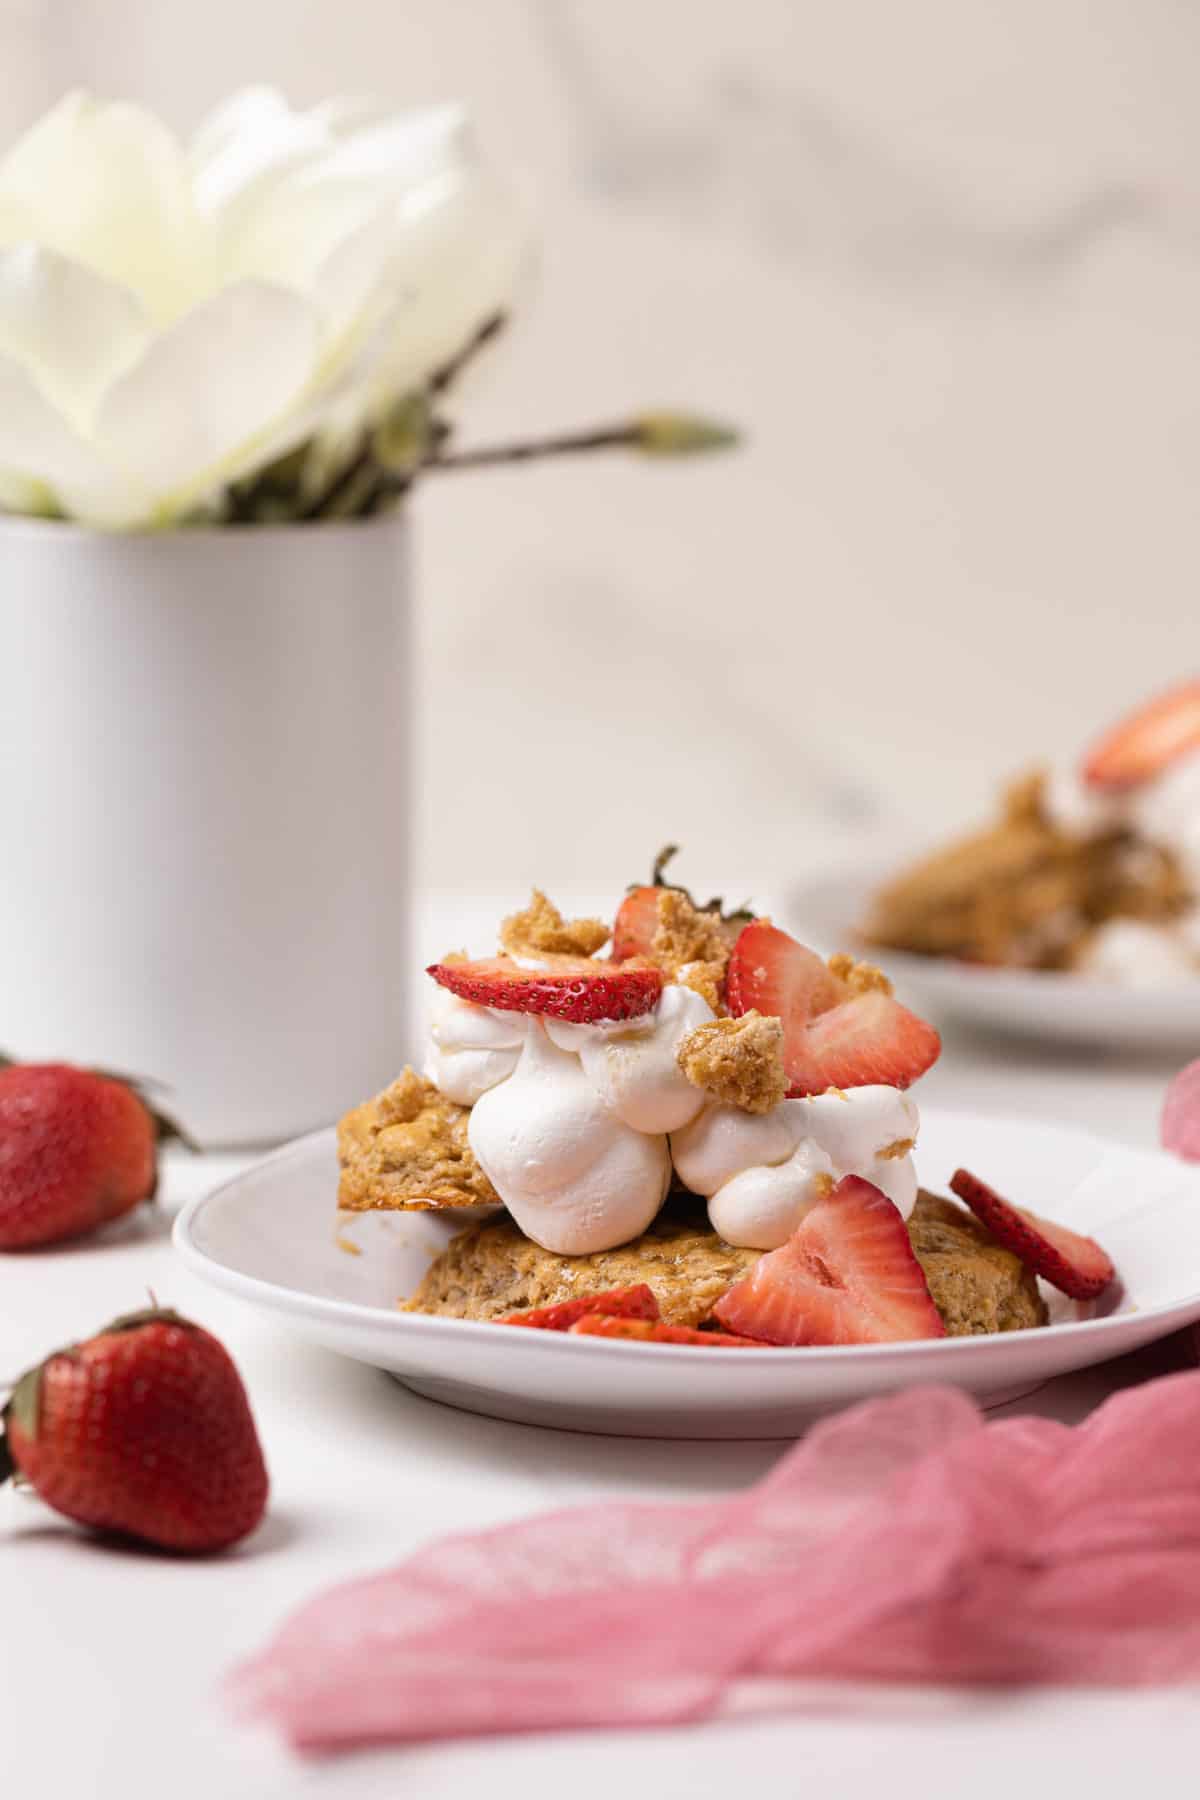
(690, 946)
(901, 1147)
(704, 978)
(1024, 798)
(685, 935)
(860, 977)
(737, 1061)
(408, 1149)
(541, 930)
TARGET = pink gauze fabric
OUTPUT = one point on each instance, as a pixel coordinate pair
(1181, 1114)
(905, 1540)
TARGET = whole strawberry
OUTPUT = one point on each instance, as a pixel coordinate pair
(144, 1430)
(77, 1148)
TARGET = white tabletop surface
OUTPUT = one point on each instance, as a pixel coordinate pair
(110, 1660)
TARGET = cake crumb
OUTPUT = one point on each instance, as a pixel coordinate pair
(691, 947)
(541, 930)
(859, 977)
(704, 978)
(893, 1152)
(737, 1061)
(407, 1149)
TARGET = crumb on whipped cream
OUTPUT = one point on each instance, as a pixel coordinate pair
(737, 1061)
(541, 930)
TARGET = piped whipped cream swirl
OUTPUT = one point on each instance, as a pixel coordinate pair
(576, 1127)
(471, 1048)
(762, 1173)
(574, 1176)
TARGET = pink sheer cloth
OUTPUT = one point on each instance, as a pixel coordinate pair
(907, 1540)
(1181, 1114)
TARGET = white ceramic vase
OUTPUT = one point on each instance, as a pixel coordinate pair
(205, 812)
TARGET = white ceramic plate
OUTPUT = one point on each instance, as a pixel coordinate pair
(270, 1236)
(1035, 1003)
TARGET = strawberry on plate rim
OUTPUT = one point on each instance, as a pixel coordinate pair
(1076, 1265)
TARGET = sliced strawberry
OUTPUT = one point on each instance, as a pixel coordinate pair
(868, 1039)
(604, 1325)
(770, 973)
(833, 1036)
(571, 988)
(625, 1303)
(847, 1275)
(1073, 1264)
(1147, 740)
(635, 923)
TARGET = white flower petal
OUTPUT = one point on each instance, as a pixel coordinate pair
(73, 330)
(254, 136)
(456, 265)
(297, 192)
(43, 458)
(108, 186)
(208, 392)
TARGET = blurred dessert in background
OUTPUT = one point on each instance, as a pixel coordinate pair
(1093, 868)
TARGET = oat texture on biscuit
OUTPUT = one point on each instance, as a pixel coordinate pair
(977, 1285)
(737, 1061)
(541, 930)
(407, 1149)
(690, 946)
(492, 1269)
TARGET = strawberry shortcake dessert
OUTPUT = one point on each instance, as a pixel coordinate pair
(1093, 866)
(689, 1127)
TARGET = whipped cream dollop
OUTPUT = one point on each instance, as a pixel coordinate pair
(576, 1127)
(1164, 811)
(574, 1176)
(471, 1048)
(1134, 953)
(632, 1063)
(762, 1173)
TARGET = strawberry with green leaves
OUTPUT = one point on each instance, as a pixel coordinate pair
(78, 1148)
(144, 1431)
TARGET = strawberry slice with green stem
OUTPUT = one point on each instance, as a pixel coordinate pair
(569, 987)
(847, 1275)
(1077, 1266)
(838, 1030)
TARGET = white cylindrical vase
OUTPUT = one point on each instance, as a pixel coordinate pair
(205, 812)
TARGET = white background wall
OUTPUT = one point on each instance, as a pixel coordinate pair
(942, 260)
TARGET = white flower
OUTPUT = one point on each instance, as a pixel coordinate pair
(173, 317)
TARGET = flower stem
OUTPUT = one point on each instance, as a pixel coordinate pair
(655, 434)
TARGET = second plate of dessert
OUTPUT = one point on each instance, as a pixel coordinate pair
(1067, 1007)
